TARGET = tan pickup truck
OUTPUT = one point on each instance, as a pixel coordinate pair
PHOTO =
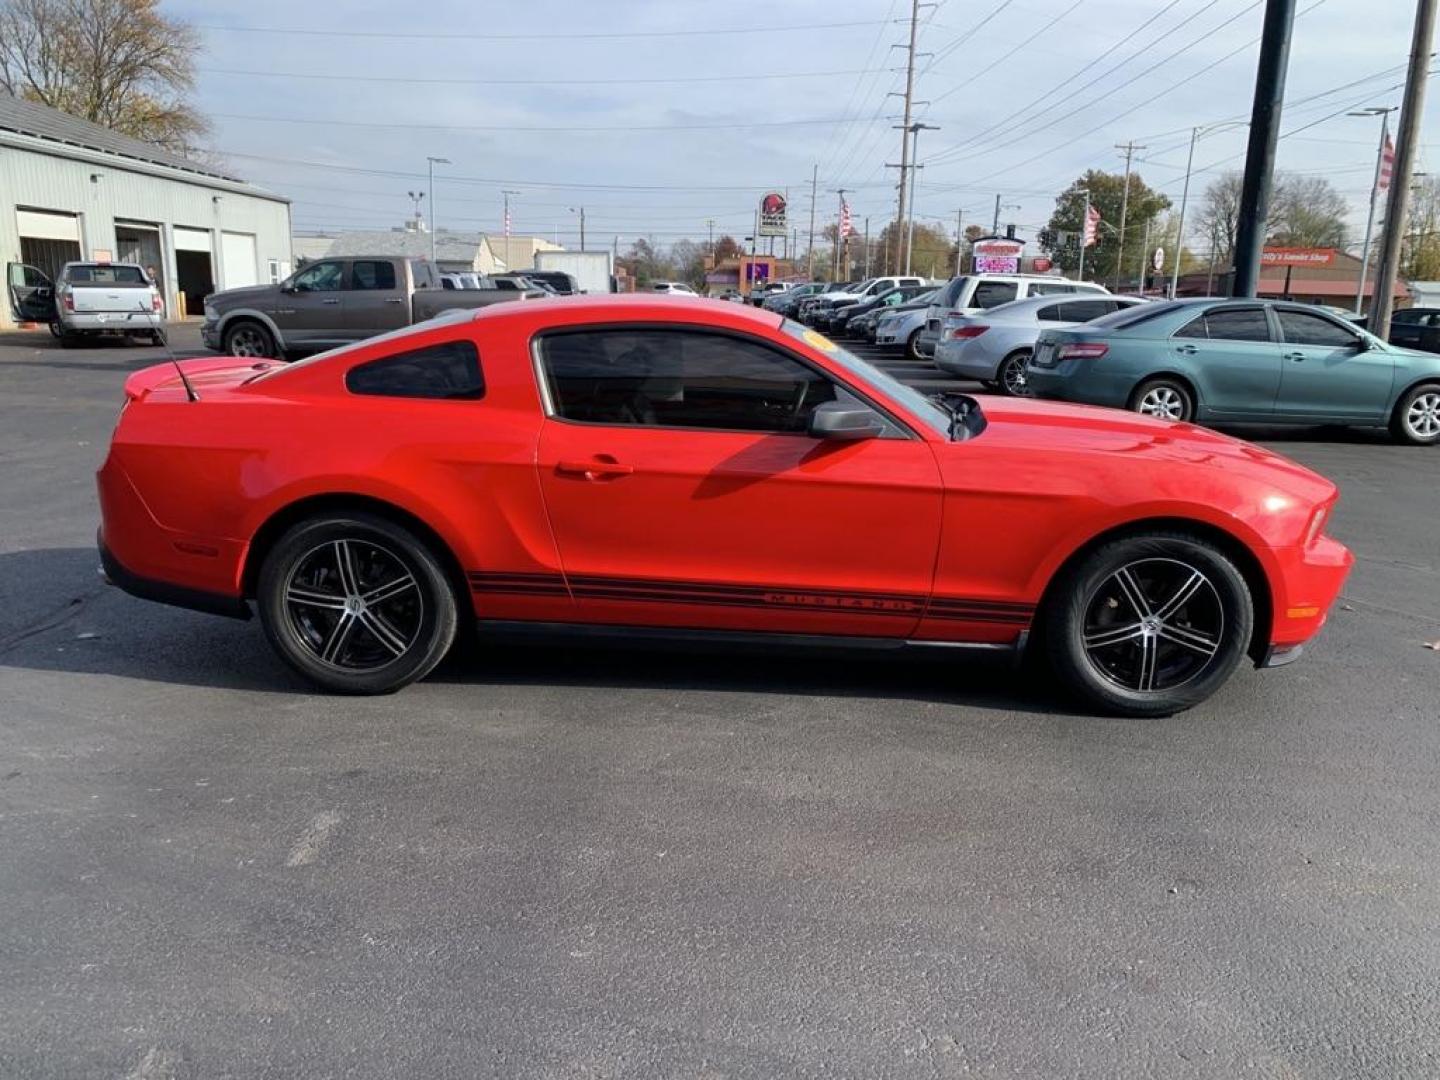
(334, 302)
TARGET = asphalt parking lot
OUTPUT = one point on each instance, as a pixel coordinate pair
(552, 863)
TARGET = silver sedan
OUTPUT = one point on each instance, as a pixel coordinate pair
(994, 346)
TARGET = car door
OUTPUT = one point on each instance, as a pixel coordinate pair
(684, 490)
(376, 300)
(1406, 327)
(32, 293)
(1330, 370)
(1229, 355)
(311, 306)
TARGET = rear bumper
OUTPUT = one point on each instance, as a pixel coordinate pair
(1069, 381)
(115, 322)
(163, 592)
(953, 357)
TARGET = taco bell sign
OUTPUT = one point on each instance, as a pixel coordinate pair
(772, 214)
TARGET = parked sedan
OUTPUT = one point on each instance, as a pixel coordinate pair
(786, 302)
(842, 318)
(678, 466)
(866, 325)
(995, 346)
(903, 328)
(1416, 328)
(1242, 361)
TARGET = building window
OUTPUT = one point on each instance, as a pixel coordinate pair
(274, 267)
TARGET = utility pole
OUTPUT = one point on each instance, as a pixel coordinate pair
(506, 195)
(1260, 151)
(959, 239)
(810, 252)
(1145, 258)
(1129, 149)
(1397, 206)
(710, 224)
(867, 248)
(839, 264)
(995, 225)
(433, 161)
(905, 128)
(1384, 114)
(915, 167)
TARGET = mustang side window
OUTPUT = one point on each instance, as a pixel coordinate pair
(679, 378)
(450, 370)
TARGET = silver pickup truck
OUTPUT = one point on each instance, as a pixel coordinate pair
(334, 302)
(90, 299)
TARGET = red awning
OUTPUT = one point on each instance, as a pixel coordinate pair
(1275, 287)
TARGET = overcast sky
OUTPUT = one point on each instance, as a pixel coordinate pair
(656, 116)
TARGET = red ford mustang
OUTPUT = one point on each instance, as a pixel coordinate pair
(682, 466)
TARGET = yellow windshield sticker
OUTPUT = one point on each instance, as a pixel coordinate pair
(819, 340)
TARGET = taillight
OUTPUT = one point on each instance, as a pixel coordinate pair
(1082, 350)
(961, 333)
(155, 302)
(69, 300)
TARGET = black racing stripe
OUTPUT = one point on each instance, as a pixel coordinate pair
(765, 603)
(722, 589)
(958, 616)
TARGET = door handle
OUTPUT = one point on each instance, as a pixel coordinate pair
(329, 301)
(394, 299)
(593, 470)
(1188, 350)
(1296, 356)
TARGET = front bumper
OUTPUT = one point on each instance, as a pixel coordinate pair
(210, 334)
(1311, 578)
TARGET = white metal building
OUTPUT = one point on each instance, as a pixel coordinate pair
(70, 189)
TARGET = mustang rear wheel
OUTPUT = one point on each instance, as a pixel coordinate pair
(1149, 625)
(1417, 416)
(356, 603)
(1167, 399)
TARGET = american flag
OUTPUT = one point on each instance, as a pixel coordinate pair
(846, 228)
(1092, 226)
(1387, 165)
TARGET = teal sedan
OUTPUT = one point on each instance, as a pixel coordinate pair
(1241, 361)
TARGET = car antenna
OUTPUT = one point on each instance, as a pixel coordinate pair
(163, 337)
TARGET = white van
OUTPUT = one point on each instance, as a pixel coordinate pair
(970, 294)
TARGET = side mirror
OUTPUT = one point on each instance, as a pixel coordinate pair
(288, 288)
(836, 420)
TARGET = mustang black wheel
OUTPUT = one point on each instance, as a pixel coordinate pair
(1149, 625)
(357, 604)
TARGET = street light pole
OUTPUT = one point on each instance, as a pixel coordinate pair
(1384, 114)
(915, 167)
(433, 161)
(1084, 227)
(959, 238)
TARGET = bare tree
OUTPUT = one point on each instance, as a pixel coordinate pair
(1305, 211)
(120, 63)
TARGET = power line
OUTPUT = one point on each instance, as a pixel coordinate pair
(369, 78)
(547, 35)
(523, 128)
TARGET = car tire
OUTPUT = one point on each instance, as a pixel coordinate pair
(1165, 399)
(912, 350)
(1148, 625)
(317, 595)
(247, 338)
(1416, 419)
(1010, 378)
(56, 331)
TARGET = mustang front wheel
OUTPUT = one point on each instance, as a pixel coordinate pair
(356, 603)
(1149, 625)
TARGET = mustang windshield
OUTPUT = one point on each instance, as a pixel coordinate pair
(920, 405)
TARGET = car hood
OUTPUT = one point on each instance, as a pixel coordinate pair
(1056, 427)
(243, 297)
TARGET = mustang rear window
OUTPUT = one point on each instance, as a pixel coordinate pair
(450, 370)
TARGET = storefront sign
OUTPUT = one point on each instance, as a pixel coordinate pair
(1278, 256)
(772, 214)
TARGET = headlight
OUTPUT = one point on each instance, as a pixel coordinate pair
(211, 314)
(1317, 523)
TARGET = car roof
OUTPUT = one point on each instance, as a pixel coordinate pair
(613, 307)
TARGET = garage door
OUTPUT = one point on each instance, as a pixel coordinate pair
(238, 266)
(192, 239)
(45, 225)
